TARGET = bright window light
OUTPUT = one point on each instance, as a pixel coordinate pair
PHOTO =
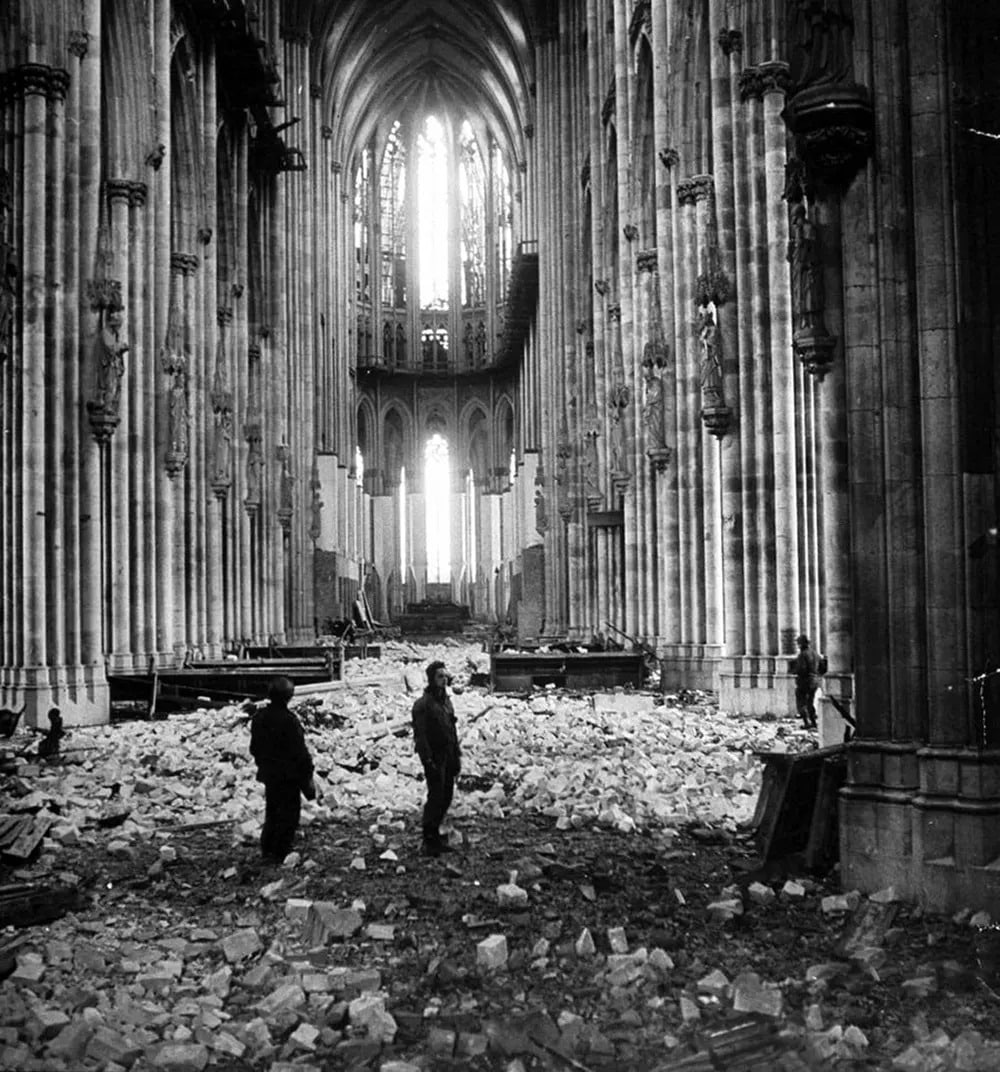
(437, 497)
(432, 204)
(403, 522)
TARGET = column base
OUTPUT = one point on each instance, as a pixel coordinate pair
(80, 692)
(757, 685)
(689, 666)
(938, 842)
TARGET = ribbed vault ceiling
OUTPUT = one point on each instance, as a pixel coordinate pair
(381, 58)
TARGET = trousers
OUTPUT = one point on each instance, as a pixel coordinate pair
(282, 808)
(440, 790)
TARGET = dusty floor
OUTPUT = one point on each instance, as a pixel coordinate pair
(624, 822)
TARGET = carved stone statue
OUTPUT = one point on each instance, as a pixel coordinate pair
(179, 416)
(806, 271)
(821, 39)
(711, 361)
(222, 475)
(618, 399)
(591, 477)
(652, 404)
(255, 466)
(111, 349)
(480, 344)
(469, 344)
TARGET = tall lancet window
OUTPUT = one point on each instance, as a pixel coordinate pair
(503, 223)
(392, 221)
(472, 196)
(432, 207)
(362, 220)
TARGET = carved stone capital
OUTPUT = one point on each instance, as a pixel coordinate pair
(660, 457)
(717, 419)
(79, 41)
(336, 167)
(183, 263)
(775, 77)
(751, 84)
(138, 191)
(730, 41)
(529, 131)
(713, 287)
(696, 188)
(118, 189)
(315, 90)
(647, 260)
(33, 79)
(815, 351)
(224, 315)
(615, 312)
(326, 132)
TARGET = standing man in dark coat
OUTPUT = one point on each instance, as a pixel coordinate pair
(806, 666)
(285, 767)
(436, 742)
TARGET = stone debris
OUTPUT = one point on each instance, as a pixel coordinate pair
(174, 997)
(491, 953)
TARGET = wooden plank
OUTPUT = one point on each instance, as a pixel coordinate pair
(822, 850)
(12, 826)
(26, 843)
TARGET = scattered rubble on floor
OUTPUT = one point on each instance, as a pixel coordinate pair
(602, 910)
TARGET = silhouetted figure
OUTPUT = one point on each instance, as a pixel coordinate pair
(49, 744)
(435, 740)
(285, 767)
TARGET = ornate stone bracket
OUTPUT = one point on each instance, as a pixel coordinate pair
(630, 231)
(730, 41)
(660, 457)
(602, 286)
(669, 158)
(104, 410)
(833, 126)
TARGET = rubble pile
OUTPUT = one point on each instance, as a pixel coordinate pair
(586, 920)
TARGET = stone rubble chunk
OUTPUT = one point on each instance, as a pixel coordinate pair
(285, 997)
(228, 1044)
(305, 1037)
(751, 995)
(886, 896)
(981, 920)
(585, 946)
(617, 940)
(491, 953)
(326, 922)
(46, 1023)
(793, 891)
(761, 894)
(297, 909)
(510, 895)
(715, 983)
(725, 910)
(70, 1044)
(240, 945)
(835, 904)
(381, 932)
(369, 1013)
(179, 1057)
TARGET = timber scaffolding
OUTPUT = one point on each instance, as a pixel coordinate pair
(244, 676)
